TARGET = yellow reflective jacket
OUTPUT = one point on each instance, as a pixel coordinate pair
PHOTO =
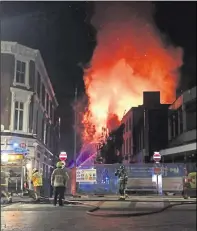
(36, 179)
(192, 179)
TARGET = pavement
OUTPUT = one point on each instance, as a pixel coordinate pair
(111, 203)
(46, 217)
(108, 199)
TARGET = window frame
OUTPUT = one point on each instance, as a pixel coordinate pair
(24, 96)
(26, 76)
(43, 94)
(18, 109)
(38, 86)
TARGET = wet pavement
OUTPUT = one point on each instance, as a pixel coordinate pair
(32, 217)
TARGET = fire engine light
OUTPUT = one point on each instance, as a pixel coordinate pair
(4, 157)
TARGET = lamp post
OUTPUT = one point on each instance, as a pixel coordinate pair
(75, 132)
(73, 181)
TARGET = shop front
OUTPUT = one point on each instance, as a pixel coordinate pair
(179, 154)
(13, 172)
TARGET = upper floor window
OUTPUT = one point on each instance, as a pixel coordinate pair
(127, 126)
(47, 103)
(45, 133)
(51, 111)
(18, 116)
(130, 126)
(43, 96)
(38, 88)
(49, 106)
(20, 72)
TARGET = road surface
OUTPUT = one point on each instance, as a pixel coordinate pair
(32, 217)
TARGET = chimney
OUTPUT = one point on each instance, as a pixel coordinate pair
(151, 98)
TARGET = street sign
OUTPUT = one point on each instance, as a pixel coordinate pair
(22, 145)
(86, 175)
(157, 157)
(63, 156)
(23, 151)
(19, 150)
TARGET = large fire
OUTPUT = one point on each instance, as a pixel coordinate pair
(130, 58)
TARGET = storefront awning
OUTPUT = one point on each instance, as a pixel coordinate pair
(178, 149)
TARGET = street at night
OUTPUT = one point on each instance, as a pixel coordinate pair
(98, 116)
(48, 218)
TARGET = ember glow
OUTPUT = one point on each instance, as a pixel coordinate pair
(130, 58)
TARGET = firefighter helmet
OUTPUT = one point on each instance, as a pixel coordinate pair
(59, 164)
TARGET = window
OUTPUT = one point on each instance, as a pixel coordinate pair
(37, 123)
(18, 116)
(48, 135)
(47, 171)
(126, 146)
(43, 95)
(52, 118)
(171, 127)
(43, 167)
(47, 104)
(45, 132)
(190, 109)
(20, 72)
(130, 124)
(175, 116)
(38, 88)
(37, 165)
(51, 108)
(127, 126)
(129, 146)
(42, 135)
(180, 120)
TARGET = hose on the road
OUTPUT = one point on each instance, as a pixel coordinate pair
(91, 212)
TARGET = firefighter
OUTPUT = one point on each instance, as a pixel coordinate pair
(123, 178)
(59, 180)
(36, 180)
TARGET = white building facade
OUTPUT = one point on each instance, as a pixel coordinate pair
(29, 127)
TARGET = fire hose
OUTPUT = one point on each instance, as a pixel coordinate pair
(92, 211)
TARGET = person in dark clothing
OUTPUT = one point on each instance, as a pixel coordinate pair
(59, 180)
(59, 191)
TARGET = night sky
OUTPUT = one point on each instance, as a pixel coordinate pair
(63, 33)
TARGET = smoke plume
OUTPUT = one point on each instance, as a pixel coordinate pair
(130, 57)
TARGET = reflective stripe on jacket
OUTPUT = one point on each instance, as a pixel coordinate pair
(36, 179)
(59, 177)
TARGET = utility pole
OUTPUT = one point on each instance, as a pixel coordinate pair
(75, 130)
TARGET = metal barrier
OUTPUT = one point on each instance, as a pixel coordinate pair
(150, 178)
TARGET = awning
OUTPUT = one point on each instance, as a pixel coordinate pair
(178, 149)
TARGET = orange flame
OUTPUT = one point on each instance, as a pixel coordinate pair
(130, 58)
